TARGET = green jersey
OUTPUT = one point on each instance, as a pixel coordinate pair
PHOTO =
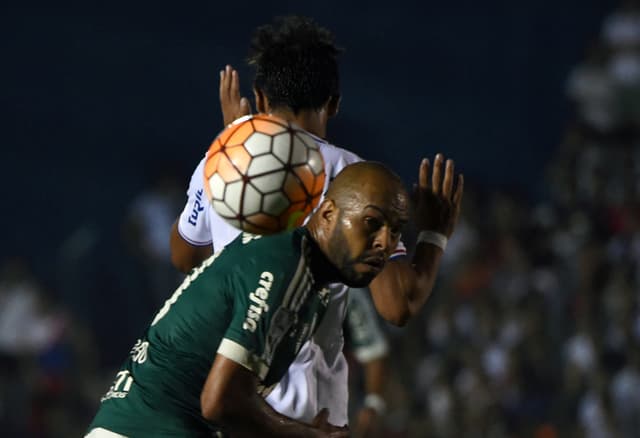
(255, 303)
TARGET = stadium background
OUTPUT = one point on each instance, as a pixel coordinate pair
(100, 101)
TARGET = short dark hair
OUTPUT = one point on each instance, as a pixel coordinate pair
(296, 63)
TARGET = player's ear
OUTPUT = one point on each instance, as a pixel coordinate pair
(262, 103)
(327, 211)
(333, 105)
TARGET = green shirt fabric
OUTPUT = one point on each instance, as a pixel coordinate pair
(256, 302)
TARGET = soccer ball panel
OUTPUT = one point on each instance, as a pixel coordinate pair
(236, 223)
(223, 209)
(306, 139)
(251, 200)
(282, 146)
(269, 182)
(275, 203)
(211, 164)
(315, 161)
(306, 176)
(227, 170)
(239, 157)
(241, 133)
(318, 186)
(268, 126)
(295, 215)
(293, 189)
(263, 223)
(258, 144)
(216, 186)
(299, 152)
(216, 145)
(264, 164)
(223, 137)
(233, 196)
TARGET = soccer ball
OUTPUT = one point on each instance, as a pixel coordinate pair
(263, 174)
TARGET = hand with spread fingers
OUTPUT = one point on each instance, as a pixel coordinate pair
(233, 105)
(436, 203)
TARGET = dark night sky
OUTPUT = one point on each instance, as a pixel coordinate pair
(96, 97)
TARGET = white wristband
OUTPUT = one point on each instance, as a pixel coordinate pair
(437, 239)
(375, 402)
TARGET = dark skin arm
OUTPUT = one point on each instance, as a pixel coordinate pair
(402, 288)
(185, 256)
(229, 398)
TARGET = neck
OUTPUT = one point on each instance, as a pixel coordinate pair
(324, 271)
(313, 121)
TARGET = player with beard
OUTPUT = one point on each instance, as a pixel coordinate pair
(234, 326)
(297, 79)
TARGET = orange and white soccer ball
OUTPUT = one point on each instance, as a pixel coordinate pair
(263, 174)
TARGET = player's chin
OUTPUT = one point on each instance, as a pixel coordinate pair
(363, 276)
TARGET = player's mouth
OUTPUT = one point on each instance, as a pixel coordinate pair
(375, 263)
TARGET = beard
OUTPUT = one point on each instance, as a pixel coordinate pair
(345, 264)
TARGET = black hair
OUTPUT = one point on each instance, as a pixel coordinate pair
(296, 63)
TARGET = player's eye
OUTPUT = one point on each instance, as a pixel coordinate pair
(396, 233)
(372, 223)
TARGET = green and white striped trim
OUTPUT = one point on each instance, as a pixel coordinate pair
(240, 355)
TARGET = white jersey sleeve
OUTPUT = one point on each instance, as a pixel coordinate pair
(335, 159)
(193, 223)
(199, 224)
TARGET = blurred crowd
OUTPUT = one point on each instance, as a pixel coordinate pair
(533, 329)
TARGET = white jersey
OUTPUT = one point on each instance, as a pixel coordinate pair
(319, 376)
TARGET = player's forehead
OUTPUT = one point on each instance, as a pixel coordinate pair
(391, 200)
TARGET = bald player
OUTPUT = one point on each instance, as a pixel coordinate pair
(297, 78)
(231, 330)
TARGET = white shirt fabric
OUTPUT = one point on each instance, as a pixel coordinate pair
(318, 378)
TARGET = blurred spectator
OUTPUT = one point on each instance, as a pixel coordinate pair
(47, 363)
(593, 90)
(151, 215)
(27, 324)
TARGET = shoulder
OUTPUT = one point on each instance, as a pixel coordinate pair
(196, 183)
(197, 175)
(336, 158)
(335, 154)
(277, 263)
(281, 252)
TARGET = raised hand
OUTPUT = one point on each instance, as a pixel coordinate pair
(233, 105)
(436, 204)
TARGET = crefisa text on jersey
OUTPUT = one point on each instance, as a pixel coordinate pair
(259, 300)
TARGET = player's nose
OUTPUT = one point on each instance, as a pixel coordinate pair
(383, 239)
